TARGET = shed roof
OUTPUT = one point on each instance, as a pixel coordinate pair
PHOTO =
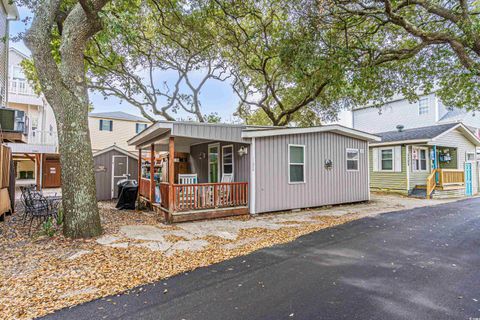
(116, 148)
(117, 115)
(425, 134)
(191, 132)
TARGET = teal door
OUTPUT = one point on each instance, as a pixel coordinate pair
(468, 179)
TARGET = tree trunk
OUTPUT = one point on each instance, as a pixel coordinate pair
(81, 217)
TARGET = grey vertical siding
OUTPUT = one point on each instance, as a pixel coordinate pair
(215, 132)
(323, 186)
(103, 179)
(200, 166)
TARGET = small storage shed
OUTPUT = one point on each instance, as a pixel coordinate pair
(113, 164)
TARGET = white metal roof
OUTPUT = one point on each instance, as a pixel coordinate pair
(327, 128)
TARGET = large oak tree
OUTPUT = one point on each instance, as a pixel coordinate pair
(57, 38)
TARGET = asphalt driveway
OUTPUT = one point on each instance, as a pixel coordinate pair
(415, 264)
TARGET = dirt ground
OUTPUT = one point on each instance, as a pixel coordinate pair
(41, 274)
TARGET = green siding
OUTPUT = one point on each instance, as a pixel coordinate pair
(389, 181)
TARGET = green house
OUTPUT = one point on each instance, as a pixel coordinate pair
(434, 161)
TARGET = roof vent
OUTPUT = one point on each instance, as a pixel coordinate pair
(400, 127)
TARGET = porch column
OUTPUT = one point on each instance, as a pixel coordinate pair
(37, 170)
(171, 173)
(139, 172)
(152, 170)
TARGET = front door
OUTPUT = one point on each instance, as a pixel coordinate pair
(51, 174)
(119, 172)
(468, 179)
(213, 162)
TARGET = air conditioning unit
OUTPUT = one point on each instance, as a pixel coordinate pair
(13, 120)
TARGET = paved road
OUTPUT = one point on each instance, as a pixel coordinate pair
(415, 264)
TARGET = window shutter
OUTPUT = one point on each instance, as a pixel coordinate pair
(375, 159)
(101, 125)
(111, 125)
(398, 159)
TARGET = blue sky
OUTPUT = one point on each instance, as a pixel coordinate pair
(216, 96)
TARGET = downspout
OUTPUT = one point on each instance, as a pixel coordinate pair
(252, 178)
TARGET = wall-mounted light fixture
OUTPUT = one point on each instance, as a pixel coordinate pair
(328, 164)
(242, 151)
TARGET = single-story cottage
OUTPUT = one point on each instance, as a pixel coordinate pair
(198, 170)
(434, 161)
(111, 165)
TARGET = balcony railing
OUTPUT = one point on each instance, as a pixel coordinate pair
(20, 87)
(43, 137)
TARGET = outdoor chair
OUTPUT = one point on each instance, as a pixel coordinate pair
(37, 207)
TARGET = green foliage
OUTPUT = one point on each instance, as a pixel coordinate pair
(59, 219)
(48, 227)
(31, 75)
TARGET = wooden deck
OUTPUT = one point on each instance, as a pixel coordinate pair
(444, 180)
(197, 201)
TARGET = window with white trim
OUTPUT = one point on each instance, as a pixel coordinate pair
(352, 159)
(423, 106)
(296, 163)
(419, 159)
(470, 156)
(227, 159)
(386, 159)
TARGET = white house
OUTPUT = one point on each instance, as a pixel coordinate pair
(427, 111)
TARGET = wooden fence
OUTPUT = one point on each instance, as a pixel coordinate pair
(5, 168)
(5, 157)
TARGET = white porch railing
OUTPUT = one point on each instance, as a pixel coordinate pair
(18, 86)
(43, 137)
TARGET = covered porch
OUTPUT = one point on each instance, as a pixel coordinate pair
(446, 175)
(187, 178)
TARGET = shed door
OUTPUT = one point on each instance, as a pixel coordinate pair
(119, 171)
(51, 175)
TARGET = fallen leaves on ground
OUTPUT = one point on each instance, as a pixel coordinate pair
(39, 275)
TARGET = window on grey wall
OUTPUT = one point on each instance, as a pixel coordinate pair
(106, 125)
(423, 106)
(227, 159)
(352, 159)
(139, 127)
(296, 163)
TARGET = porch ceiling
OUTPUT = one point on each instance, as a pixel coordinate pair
(182, 144)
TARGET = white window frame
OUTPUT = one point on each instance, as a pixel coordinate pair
(233, 159)
(290, 163)
(380, 162)
(358, 158)
(210, 146)
(424, 107)
(466, 156)
(427, 159)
